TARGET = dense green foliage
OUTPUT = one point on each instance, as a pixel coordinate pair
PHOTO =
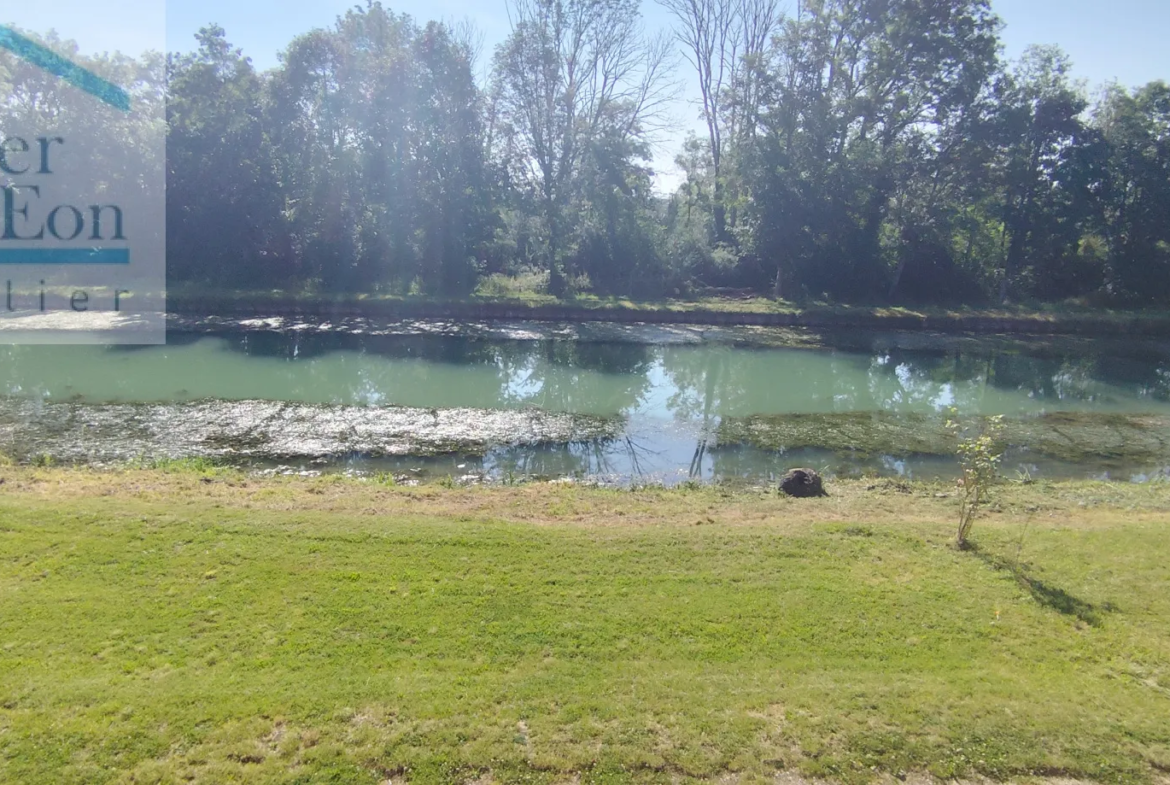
(863, 151)
(359, 162)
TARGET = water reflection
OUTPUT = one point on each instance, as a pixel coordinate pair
(672, 398)
(624, 462)
(689, 383)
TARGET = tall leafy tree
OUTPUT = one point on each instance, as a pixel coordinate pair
(575, 78)
(380, 137)
(1136, 127)
(1040, 128)
(223, 199)
(853, 85)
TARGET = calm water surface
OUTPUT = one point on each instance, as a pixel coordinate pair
(671, 397)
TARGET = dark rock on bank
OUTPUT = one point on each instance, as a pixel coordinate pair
(803, 484)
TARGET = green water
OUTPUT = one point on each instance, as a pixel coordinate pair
(671, 382)
(668, 397)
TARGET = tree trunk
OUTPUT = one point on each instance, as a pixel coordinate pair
(719, 212)
(1012, 264)
(897, 276)
(556, 281)
(556, 277)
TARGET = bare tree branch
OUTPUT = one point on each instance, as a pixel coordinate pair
(574, 72)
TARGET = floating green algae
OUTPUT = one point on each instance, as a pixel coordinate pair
(1100, 439)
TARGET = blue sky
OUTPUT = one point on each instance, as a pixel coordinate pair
(1123, 40)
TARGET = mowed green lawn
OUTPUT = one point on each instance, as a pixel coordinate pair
(175, 627)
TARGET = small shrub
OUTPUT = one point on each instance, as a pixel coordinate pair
(979, 455)
(578, 284)
(518, 285)
(384, 479)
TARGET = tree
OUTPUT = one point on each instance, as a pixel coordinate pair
(223, 203)
(1039, 124)
(382, 154)
(854, 86)
(573, 77)
(725, 42)
(1136, 195)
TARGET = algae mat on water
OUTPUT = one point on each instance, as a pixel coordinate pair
(259, 431)
(273, 430)
(213, 627)
(1092, 438)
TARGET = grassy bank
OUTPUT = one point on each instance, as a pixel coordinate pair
(759, 311)
(210, 627)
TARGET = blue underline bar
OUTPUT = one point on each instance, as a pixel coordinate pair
(46, 58)
(64, 256)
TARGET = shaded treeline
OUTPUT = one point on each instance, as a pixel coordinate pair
(860, 150)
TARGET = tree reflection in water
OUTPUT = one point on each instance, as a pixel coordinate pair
(671, 398)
